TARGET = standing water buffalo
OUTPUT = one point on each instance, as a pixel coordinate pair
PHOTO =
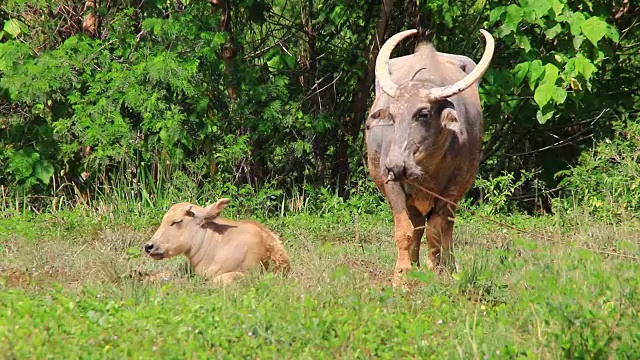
(217, 248)
(424, 131)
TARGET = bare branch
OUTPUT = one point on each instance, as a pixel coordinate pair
(324, 87)
(264, 50)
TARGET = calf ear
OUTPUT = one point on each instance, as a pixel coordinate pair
(213, 211)
(380, 117)
(449, 119)
(187, 210)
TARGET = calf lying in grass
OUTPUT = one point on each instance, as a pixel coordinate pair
(217, 248)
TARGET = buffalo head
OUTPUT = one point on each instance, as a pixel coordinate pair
(423, 114)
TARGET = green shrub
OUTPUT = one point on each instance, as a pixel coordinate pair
(606, 180)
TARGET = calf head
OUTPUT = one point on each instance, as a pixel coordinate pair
(422, 115)
(178, 227)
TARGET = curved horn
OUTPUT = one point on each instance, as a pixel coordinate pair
(450, 90)
(382, 62)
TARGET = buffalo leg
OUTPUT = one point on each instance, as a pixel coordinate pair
(446, 255)
(403, 237)
(440, 239)
(403, 229)
(417, 221)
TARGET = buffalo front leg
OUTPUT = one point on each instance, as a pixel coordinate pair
(404, 241)
(440, 239)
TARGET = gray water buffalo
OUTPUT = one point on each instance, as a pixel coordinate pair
(219, 249)
(424, 131)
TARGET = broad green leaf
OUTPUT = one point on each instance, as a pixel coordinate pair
(569, 68)
(290, 61)
(575, 20)
(541, 7)
(503, 31)
(513, 18)
(584, 67)
(612, 33)
(550, 73)
(43, 170)
(544, 92)
(495, 14)
(169, 137)
(543, 117)
(14, 27)
(577, 41)
(523, 42)
(21, 163)
(594, 29)
(527, 11)
(521, 71)
(274, 62)
(557, 7)
(535, 71)
(560, 95)
(554, 31)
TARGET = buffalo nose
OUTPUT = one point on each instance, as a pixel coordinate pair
(148, 247)
(396, 172)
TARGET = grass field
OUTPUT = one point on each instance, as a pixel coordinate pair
(75, 285)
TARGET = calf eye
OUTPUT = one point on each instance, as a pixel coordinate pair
(176, 221)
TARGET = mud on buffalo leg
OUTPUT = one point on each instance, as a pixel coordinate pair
(403, 238)
(440, 238)
(403, 228)
(417, 220)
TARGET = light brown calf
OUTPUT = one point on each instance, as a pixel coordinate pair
(217, 248)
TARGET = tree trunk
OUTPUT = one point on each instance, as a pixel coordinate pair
(228, 51)
(312, 87)
(360, 101)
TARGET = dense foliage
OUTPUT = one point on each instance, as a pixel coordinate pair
(272, 94)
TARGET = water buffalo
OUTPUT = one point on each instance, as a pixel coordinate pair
(424, 131)
(217, 248)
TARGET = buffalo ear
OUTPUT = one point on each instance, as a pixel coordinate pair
(449, 119)
(380, 117)
(212, 211)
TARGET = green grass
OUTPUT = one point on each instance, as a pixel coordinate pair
(74, 285)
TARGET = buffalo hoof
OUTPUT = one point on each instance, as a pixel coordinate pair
(400, 280)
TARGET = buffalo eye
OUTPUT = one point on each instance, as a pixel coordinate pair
(423, 114)
(176, 222)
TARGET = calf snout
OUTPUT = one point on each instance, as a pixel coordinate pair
(148, 247)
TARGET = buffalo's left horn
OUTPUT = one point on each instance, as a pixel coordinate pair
(382, 62)
(456, 88)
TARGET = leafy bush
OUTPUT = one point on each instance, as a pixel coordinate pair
(606, 180)
(273, 94)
